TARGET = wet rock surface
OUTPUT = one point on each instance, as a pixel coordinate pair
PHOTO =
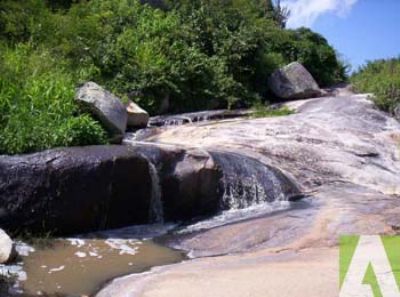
(81, 189)
(247, 182)
(188, 180)
(75, 190)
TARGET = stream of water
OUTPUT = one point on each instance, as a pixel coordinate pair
(80, 266)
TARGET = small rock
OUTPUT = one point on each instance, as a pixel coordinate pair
(397, 112)
(293, 82)
(105, 107)
(137, 117)
(7, 251)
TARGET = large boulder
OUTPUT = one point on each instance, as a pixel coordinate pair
(6, 247)
(137, 116)
(83, 189)
(105, 107)
(74, 190)
(293, 82)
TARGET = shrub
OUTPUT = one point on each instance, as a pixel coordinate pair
(312, 50)
(37, 110)
(201, 54)
(382, 78)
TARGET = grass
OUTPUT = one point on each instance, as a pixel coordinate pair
(264, 111)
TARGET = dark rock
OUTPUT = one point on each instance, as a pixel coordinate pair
(190, 181)
(74, 189)
(83, 189)
(293, 82)
(105, 107)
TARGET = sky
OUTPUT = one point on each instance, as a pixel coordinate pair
(360, 30)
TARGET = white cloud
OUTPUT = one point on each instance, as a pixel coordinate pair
(305, 12)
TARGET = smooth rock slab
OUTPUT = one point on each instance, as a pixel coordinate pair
(328, 139)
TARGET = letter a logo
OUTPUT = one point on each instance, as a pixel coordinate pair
(366, 270)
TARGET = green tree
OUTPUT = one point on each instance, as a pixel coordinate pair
(200, 54)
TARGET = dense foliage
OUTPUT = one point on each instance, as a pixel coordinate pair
(382, 78)
(37, 110)
(199, 54)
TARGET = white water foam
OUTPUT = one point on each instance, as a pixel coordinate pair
(236, 215)
(57, 269)
(23, 249)
(123, 246)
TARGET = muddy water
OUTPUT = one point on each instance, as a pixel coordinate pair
(80, 267)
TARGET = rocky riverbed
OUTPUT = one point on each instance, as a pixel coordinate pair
(340, 150)
(255, 202)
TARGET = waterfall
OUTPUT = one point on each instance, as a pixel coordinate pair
(178, 121)
(247, 182)
(250, 189)
(156, 214)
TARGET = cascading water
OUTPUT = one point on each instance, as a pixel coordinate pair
(196, 117)
(247, 182)
(250, 189)
(178, 120)
(156, 214)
